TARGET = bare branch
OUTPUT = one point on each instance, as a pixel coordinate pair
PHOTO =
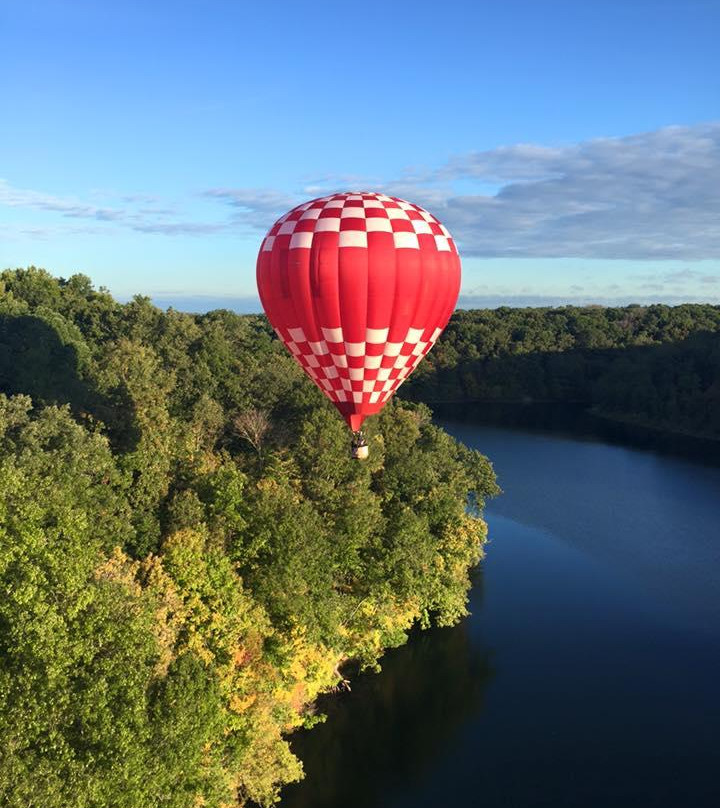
(252, 426)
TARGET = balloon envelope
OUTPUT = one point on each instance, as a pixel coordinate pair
(359, 287)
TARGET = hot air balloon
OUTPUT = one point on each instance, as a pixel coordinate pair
(358, 286)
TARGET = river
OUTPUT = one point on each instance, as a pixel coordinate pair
(588, 674)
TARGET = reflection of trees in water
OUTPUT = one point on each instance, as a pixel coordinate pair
(577, 421)
(382, 734)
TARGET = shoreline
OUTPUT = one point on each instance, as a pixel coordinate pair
(582, 408)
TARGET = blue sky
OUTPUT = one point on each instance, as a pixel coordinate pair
(572, 148)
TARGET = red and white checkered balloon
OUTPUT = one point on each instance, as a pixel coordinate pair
(359, 287)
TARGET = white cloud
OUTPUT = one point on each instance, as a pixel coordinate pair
(649, 196)
(23, 198)
(257, 208)
(132, 212)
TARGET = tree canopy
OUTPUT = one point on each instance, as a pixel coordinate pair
(187, 553)
(658, 365)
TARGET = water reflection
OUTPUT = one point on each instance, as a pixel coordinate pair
(577, 421)
(597, 633)
(378, 738)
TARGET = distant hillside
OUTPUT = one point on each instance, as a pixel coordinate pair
(657, 365)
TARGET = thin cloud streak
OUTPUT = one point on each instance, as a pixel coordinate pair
(23, 198)
(154, 220)
(252, 207)
(650, 196)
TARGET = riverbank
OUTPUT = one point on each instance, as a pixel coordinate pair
(591, 647)
(662, 429)
(579, 420)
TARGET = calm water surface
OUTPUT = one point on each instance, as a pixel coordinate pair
(589, 672)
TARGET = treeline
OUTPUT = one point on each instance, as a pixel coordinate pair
(187, 553)
(657, 365)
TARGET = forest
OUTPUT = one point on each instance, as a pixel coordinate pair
(188, 555)
(656, 365)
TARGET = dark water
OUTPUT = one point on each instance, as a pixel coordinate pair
(589, 672)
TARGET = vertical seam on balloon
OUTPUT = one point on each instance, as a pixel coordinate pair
(313, 298)
(439, 310)
(367, 311)
(297, 323)
(394, 301)
(341, 370)
(424, 255)
(452, 295)
(452, 266)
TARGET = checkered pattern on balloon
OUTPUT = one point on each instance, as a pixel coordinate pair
(358, 286)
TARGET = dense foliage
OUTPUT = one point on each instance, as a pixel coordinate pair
(187, 553)
(658, 365)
